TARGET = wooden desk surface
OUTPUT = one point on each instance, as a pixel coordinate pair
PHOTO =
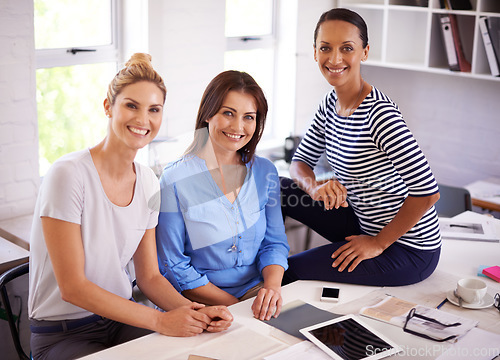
(484, 204)
(485, 193)
(11, 255)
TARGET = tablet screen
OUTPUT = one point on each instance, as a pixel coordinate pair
(348, 339)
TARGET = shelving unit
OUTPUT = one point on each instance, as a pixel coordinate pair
(406, 34)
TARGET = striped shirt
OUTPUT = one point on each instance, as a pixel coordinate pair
(375, 156)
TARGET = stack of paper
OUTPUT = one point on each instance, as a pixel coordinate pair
(394, 311)
(481, 230)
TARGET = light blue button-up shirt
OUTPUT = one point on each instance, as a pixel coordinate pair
(202, 237)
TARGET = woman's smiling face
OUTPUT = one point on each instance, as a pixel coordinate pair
(234, 124)
(339, 52)
(136, 114)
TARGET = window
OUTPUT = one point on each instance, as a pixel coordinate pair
(250, 39)
(77, 55)
(260, 38)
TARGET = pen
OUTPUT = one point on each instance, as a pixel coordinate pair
(441, 304)
(462, 226)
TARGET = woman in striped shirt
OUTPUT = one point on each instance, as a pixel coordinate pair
(378, 208)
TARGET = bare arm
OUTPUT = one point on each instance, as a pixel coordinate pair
(211, 295)
(65, 247)
(159, 290)
(331, 192)
(361, 247)
(149, 279)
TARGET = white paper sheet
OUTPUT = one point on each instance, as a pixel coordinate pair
(240, 344)
(300, 351)
(478, 344)
(480, 230)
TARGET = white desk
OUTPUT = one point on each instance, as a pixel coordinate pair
(17, 230)
(249, 338)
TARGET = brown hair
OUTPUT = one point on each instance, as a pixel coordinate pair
(212, 100)
(138, 68)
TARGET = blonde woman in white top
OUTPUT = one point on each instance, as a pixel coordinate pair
(98, 209)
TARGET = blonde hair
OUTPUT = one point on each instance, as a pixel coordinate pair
(138, 68)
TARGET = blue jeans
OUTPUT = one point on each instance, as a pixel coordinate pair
(398, 265)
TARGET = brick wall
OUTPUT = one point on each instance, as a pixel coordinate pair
(19, 179)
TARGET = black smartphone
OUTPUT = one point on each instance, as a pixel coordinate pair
(330, 294)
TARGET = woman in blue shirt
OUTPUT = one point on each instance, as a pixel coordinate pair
(220, 234)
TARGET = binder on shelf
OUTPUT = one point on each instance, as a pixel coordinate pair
(494, 30)
(449, 44)
(492, 56)
(463, 63)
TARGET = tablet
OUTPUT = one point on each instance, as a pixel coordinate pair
(348, 338)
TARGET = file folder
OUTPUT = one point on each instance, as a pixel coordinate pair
(494, 30)
(488, 46)
(463, 63)
(449, 43)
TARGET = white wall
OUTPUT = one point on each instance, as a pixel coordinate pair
(187, 43)
(310, 85)
(19, 177)
(455, 119)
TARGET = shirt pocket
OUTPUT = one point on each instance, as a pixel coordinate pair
(208, 225)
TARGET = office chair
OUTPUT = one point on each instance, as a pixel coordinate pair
(5, 278)
(453, 200)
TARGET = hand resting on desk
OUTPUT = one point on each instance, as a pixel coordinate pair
(268, 301)
(190, 320)
(267, 304)
(220, 318)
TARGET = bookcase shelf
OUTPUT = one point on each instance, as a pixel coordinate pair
(406, 34)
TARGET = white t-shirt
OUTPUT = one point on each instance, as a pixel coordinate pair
(72, 191)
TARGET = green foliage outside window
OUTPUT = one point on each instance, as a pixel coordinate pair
(70, 98)
(70, 109)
